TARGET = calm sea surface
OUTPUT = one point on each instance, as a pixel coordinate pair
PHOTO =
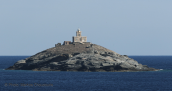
(21, 80)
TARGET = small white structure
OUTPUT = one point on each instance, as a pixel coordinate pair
(79, 38)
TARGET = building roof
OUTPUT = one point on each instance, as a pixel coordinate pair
(79, 30)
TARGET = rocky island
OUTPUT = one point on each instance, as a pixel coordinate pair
(79, 55)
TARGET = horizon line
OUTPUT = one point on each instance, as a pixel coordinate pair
(127, 55)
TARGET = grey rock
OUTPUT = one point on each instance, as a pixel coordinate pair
(79, 57)
(21, 62)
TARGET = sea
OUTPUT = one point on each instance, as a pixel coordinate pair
(27, 80)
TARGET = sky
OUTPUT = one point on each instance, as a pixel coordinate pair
(128, 27)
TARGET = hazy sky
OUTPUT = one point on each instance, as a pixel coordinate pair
(128, 27)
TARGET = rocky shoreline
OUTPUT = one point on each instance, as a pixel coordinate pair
(85, 57)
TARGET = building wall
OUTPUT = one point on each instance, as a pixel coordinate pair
(79, 39)
(67, 42)
(78, 33)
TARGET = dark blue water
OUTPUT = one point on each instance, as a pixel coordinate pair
(20, 80)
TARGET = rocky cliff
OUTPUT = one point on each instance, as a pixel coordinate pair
(79, 57)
